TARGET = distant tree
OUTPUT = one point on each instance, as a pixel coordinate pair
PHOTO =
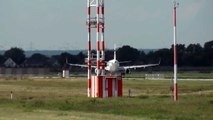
(108, 55)
(37, 60)
(194, 49)
(63, 57)
(127, 53)
(17, 54)
(165, 55)
(39, 56)
(2, 59)
(142, 57)
(180, 53)
(193, 55)
(150, 55)
(70, 58)
(80, 56)
(208, 53)
(208, 45)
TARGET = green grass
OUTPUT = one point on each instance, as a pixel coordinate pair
(183, 75)
(66, 99)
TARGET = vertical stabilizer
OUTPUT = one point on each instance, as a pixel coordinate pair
(115, 52)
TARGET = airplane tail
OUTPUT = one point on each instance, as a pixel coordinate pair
(66, 61)
(159, 61)
(115, 52)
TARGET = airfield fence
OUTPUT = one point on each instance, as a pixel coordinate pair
(24, 71)
(154, 76)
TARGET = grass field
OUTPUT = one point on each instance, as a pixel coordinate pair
(60, 99)
(184, 75)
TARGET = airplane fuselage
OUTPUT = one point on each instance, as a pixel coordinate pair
(112, 66)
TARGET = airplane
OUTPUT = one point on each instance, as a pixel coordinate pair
(113, 66)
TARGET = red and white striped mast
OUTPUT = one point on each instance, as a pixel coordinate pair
(98, 38)
(100, 70)
(89, 46)
(102, 40)
(175, 96)
(96, 22)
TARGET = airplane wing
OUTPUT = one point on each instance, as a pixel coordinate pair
(80, 65)
(140, 66)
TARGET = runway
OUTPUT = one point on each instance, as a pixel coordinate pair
(186, 79)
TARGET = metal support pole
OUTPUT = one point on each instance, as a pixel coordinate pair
(102, 41)
(97, 37)
(89, 47)
(96, 21)
(175, 97)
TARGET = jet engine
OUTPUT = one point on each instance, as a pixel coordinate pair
(124, 71)
(127, 71)
(96, 70)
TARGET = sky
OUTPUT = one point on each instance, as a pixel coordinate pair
(142, 24)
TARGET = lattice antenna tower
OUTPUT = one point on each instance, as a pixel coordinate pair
(96, 21)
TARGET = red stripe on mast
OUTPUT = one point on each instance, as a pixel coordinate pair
(175, 16)
(98, 46)
(103, 25)
(98, 10)
(89, 11)
(102, 10)
(98, 28)
(103, 45)
(89, 45)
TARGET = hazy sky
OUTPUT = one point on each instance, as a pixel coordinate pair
(61, 24)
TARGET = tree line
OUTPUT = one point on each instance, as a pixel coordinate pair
(193, 55)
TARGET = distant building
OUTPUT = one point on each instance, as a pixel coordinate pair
(24, 71)
(10, 63)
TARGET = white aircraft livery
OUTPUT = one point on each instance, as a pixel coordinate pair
(113, 66)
